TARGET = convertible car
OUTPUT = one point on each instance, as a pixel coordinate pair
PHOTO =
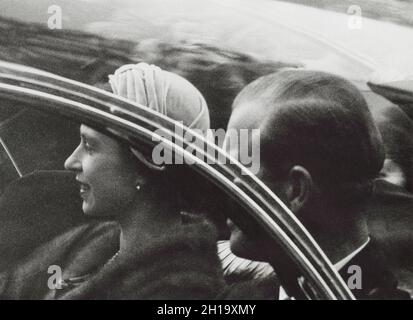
(51, 81)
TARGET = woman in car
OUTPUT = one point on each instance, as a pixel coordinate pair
(162, 254)
(159, 257)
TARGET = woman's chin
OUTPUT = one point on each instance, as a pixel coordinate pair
(92, 211)
(89, 210)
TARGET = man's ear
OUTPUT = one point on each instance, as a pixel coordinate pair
(299, 188)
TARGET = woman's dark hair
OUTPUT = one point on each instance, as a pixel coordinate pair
(321, 122)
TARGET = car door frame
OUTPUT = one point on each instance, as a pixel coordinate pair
(138, 124)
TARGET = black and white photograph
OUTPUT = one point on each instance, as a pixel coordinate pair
(206, 150)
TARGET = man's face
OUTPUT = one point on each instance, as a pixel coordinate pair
(105, 172)
(250, 247)
(242, 245)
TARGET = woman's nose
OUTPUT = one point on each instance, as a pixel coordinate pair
(73, 162)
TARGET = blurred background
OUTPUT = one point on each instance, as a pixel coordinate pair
(220, 46)
(319, 34)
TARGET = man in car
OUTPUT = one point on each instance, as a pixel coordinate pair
(319, 152)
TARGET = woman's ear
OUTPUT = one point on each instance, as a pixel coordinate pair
(140, 181)
(299, 188)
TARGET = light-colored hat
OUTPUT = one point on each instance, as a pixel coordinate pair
(162, 91)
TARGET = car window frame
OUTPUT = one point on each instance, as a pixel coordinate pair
(136, 123)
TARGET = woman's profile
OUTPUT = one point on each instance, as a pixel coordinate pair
(159, 256)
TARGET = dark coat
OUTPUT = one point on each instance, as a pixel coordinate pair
(42, 225)
(81, 250)
(390, 219)
(377, 281)
(182, 265)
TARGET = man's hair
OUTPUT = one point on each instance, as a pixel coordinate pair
(319, 121)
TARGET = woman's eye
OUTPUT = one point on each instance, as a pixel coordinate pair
(87, 147)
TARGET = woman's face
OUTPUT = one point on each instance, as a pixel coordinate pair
(105, 171)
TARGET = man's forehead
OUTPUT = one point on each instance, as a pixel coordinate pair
(91, 133)
(88, 131)
(247, 115)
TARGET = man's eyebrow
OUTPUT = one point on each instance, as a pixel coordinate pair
(88, 138)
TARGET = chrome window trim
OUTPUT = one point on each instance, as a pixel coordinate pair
(269, 211)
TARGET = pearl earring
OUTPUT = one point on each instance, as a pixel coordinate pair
(138, 187)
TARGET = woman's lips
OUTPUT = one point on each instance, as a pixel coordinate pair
(84, 189)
